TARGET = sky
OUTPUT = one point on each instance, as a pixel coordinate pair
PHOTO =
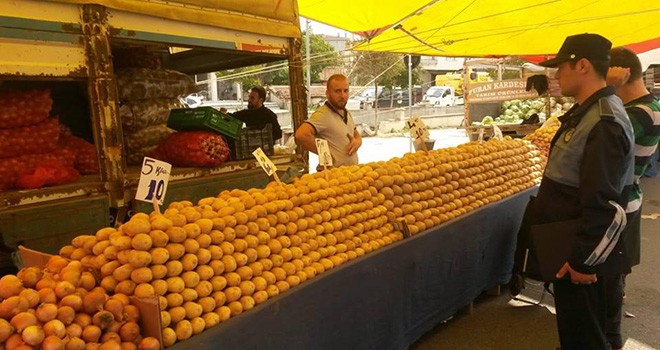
(320, 28)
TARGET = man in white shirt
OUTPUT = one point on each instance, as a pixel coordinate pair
(333, 123)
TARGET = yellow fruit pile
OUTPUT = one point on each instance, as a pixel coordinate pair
(221, 257)
(60, 307)
(542, 137)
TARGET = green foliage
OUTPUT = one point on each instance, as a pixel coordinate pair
(372, 64)
(277, 76)
(323, 55)
(247, 81)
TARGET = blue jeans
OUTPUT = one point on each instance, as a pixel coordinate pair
(652, 170)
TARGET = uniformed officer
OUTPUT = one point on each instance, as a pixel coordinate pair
(588, 177)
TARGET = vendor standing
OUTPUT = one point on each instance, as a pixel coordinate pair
(333, 123)
(257, 114)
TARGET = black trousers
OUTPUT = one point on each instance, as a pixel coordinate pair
(581, 315)
(614, 295)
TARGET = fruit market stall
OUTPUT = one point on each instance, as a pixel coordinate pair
(366, 256)
(86, 89)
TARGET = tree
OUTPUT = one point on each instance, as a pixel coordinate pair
(322, 55)
(401, 79)
(247, 80)
(387, 67)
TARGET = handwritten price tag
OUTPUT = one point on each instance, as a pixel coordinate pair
(325, 158)
(154, 177)
(268, 166)
(481, 135)
(417, 128)
(497, 133)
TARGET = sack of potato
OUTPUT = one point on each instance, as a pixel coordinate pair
(136, 115)
(143, 83)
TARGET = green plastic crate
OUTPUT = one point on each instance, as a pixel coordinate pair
(204, 118)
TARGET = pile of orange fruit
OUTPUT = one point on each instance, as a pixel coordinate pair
(211, 260)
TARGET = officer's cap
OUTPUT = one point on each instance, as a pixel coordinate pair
(590, 46)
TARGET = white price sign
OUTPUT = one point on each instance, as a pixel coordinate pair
(154, 177)
(268, 166)
(417, 128)
(481, 135)
(497, 133)
(325, 158)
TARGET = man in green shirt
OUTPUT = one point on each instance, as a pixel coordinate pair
(643, 109)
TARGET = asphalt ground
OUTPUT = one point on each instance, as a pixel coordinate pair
(500, 323)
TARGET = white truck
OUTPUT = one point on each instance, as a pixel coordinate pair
(441, 96)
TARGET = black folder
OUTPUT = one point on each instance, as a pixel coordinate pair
(553, 244)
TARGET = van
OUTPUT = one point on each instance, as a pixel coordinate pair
(441, 96)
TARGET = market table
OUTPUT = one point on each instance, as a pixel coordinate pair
(388, 299)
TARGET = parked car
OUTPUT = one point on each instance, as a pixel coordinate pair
(441, 96)
(387, 97)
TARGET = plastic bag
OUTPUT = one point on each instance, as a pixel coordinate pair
(47, 174)
(11, 168)
(194, 149)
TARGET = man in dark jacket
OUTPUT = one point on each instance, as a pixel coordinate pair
(586, 185)
(257, 114)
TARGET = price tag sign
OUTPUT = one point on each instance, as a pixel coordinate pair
(497, 133)
(481, 135)
(417, 128)
(268, 166)
(154, 177)
(325, 158)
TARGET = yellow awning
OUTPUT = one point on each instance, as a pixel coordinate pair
(272, 17)
(482, 28)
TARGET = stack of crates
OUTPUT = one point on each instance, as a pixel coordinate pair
(250, 139)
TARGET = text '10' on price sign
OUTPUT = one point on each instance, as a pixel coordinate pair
(154, 177)
(266, 164)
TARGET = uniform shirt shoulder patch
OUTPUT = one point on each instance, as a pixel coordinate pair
(568, 134)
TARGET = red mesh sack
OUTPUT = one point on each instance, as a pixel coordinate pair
(39, 138)
(86, 160)
(193, 149)
(9, 172)
(11, 168)
(24, 108)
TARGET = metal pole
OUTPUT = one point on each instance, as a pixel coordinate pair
(410, 100)
(376, 104)
(308, 62)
